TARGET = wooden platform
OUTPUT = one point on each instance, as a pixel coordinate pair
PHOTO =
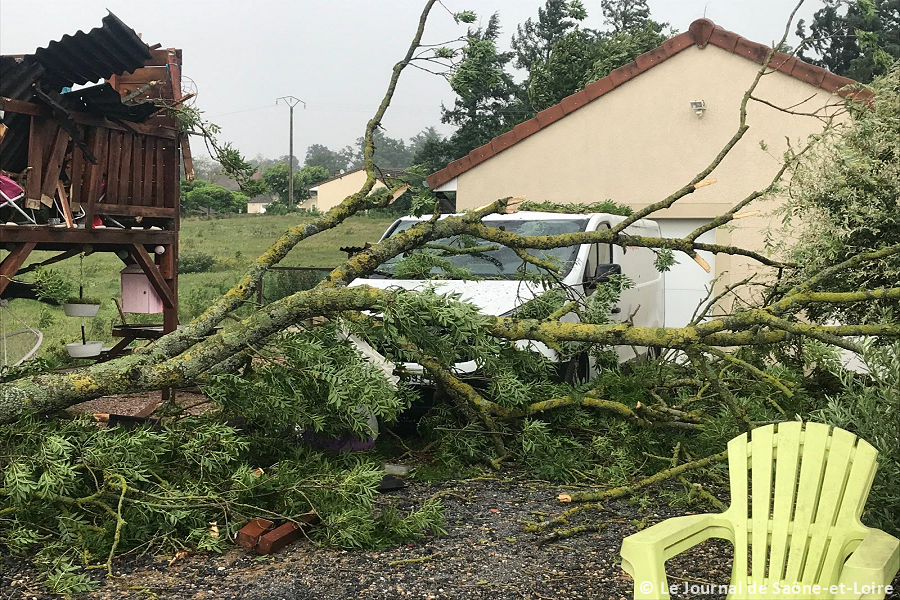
(62, 238)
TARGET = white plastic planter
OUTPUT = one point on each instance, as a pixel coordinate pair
(81, 310)
(86, 350)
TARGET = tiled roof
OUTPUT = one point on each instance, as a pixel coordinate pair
(700, 33)
(379, 173)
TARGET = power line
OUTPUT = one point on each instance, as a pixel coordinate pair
(242, 111)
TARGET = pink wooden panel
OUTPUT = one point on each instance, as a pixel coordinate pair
(138, 296)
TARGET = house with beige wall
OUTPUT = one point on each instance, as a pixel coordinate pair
(332, 192)
(637, 135)
(257, 206)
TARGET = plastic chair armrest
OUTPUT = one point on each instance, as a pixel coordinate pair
(644, 554)
(871, 567)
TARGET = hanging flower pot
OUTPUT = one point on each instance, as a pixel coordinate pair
(81, 307)
(84, 349)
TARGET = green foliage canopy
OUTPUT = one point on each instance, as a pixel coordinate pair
(486, 93)
(534, 40)
(582, 55)
(277, 177)
(333, 161)
(859, 39)
(845, 199)
(201, 196)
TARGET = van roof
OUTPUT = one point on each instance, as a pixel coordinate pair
(534, 215)
(523, 215)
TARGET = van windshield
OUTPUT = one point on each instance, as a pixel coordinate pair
(485, 259)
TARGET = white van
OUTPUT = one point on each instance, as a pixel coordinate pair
(502, 290)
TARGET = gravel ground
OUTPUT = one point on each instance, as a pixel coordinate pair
(486, 554)
(132, 404)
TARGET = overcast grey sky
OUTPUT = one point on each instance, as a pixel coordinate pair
(336, 55)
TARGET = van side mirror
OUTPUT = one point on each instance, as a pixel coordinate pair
(602, 273)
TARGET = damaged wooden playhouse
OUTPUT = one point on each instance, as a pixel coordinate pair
(94, 168)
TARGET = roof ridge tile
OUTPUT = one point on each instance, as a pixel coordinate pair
(724, 39)
(701, 30)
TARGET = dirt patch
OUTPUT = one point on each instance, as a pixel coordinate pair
(485, 554)
(132, 404)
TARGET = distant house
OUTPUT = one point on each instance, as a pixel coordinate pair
(643, 131)
(258, 204)
(332, 192)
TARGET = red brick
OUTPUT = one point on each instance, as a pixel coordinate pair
(597, 88)
(438, 178)
(454, 168)
(549, 115)
(574, 102)
(863, 95)
(724, 39)
(701, 30)
(464, 165)
(503, 141)
(278, 538)
(250, 533)
(752, 50)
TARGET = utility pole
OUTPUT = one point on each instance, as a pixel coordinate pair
(291, 101)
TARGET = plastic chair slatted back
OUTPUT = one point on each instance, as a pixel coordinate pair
(806, 489)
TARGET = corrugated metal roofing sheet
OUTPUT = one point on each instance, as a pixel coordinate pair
(112, 49)
(102, 100)
(16, 79)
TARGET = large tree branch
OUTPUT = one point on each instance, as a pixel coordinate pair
(606, 236)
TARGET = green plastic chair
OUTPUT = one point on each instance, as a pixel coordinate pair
(796, 497)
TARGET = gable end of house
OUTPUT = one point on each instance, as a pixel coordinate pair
(701, 33)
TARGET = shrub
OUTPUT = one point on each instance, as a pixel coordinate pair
(193, 302)
(870, 408)
(52, 285)
(195, 262)
(279, 284)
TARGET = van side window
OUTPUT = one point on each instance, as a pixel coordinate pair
(604, 253)
(599, 254)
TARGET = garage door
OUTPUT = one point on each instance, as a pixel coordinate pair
(686, 282)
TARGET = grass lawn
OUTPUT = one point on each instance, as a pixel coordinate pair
(234, 243)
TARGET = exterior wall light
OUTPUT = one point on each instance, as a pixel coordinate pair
(699, 107)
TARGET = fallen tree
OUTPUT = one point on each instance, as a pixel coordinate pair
(187, 356)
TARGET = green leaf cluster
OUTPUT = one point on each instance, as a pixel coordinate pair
(845, 200)
(204, 197)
